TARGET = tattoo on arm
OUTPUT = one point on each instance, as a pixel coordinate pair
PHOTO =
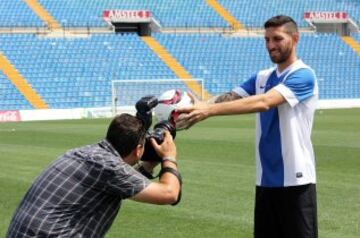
(226, 97)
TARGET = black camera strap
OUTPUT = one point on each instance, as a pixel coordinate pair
(147, 174)
(177, 175)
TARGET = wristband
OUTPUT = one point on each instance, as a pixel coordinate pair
(177, 175)
(170, 159)
(172, 171)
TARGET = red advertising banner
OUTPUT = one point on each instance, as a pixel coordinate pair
(126, 16)
(326, 17)
(7, 116)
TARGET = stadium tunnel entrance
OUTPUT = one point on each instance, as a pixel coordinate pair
(329, 22)
(139, 21)
(142, 29)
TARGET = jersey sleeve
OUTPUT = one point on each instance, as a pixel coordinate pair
(298, 86)
(247, 88)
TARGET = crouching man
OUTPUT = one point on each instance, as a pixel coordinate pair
(80, 193)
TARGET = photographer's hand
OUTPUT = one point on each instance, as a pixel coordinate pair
(168, 189)
(167, 148)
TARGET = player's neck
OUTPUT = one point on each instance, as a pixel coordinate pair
(282, 66)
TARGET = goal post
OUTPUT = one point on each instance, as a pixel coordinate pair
(125, 93)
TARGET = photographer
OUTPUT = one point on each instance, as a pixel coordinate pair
(80, 193)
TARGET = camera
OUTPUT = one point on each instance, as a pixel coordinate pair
(144, 112)
(158, 134)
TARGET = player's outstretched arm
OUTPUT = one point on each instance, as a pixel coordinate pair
(256, 103)
(226, 97)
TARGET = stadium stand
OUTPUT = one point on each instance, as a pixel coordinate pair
(336, 64)
(227, 61)
(221, 61)
(356, 36)
(77, 72)
(185, 13)
(255, 14)
(17, 14)
(10, 98)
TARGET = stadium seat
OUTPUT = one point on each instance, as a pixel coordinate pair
(60, 68)
(225, 62)
(356, 36)
(10, 98)
(18, 14)
(77, 72)
(183, 13)
(253, 14)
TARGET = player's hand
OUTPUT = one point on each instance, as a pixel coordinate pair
(193, 114)
(167, 148)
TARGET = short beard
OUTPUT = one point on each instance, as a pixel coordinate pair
(283, 57)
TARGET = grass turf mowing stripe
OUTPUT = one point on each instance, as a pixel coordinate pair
(216, 158)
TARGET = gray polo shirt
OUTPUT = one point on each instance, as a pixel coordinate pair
(78, 195)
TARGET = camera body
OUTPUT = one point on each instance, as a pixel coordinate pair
(144, 112)
(158, 134)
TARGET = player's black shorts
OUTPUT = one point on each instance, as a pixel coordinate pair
(289, 212)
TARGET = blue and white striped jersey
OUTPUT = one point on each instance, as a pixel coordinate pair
(284, 152)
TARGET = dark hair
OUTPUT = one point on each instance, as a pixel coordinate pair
(282, 20)
(125, 132)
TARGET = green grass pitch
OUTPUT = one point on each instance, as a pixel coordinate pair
(216, 158)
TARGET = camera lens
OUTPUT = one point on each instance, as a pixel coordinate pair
(159, 130)
(158, 135)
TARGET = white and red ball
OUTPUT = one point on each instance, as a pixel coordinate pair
(169, 101)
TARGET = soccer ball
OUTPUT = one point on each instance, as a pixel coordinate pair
(168, 102)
